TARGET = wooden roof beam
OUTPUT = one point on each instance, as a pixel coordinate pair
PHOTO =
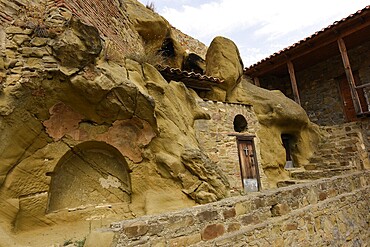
(293, 82)
(349, 75)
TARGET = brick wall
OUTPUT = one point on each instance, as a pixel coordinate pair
(111, 19)
(325, 212)
(217, 137)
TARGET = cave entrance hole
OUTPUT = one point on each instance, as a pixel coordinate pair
(288, 141)
(168, 48)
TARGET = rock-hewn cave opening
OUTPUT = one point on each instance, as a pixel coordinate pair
(288, 144)
(92, 173)
(240, 123)
(168, 48)
(194, 63)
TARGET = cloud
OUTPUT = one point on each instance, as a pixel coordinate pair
(273, 18)
(252, 55)
(259, 28)
(208, 19)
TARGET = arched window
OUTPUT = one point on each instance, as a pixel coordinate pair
(92, 173)
(240, 123)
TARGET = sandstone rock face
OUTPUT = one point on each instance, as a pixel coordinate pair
(223, 61)
(85, 137)
(156, 33)
(77, 46)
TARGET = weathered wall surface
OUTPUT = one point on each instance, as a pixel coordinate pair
(318, 85)
(331, 212)
(217, 138)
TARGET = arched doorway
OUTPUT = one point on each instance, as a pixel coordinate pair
(92, 173)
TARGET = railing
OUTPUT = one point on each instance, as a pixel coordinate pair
(363, 92)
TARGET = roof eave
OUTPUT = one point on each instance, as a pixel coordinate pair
(337, 29)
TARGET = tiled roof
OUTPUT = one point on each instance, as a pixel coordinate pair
(335, 24)
(176, 72)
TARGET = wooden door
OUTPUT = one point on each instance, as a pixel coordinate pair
(348, 105)
(248, 165)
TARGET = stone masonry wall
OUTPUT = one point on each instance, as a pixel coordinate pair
(319, 86)
(328, 212)
(217, 137)
(278, 83)
(346, 145)
(319, 91)
(365, 126)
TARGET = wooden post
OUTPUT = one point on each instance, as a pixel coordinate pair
(293, 81)
(256, 81)
(349, 75)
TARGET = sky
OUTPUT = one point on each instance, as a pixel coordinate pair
(259, 28)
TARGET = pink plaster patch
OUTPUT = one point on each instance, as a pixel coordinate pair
(63, 120)
(129, 136)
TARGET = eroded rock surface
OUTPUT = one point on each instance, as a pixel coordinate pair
(76, 47)
(87, 136)
(156, 33)
(223, 61)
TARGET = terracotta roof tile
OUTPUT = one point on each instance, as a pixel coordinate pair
(190, 75)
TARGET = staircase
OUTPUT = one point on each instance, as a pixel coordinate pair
(340, 151)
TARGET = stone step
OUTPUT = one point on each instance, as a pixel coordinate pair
(317, 174)
(336, 148)
(320, 159)
(333, 158)
(326, 165)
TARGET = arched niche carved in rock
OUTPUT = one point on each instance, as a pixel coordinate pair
(92, 173)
